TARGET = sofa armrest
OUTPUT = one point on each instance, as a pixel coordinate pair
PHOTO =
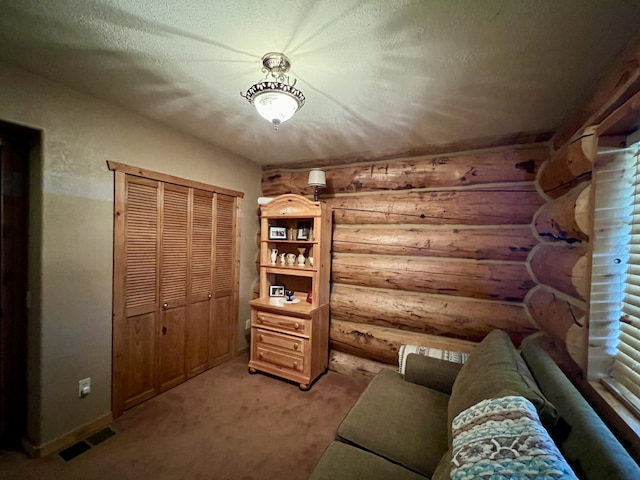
(431, 372)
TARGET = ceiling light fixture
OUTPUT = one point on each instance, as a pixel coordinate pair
(275, 99)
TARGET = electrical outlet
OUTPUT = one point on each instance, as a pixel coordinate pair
(247, 324)
(84, 387)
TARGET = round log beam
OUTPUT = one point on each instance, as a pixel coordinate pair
(553, 314)
(382, 344)
(570, 166)
(487, 280)
(562, 267)
(430, 314)
(488, 243)
(428, 171)
(513, 205)
(566, 219)
(354, 366)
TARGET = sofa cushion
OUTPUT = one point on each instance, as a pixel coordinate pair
(495, 369)
(345, 462)
(401, 421)
(502, 438)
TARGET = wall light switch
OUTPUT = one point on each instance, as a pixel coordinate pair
(247, 324)
(84, 387)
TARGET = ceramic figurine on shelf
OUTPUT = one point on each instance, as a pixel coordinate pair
(301, 258)
(291, 258)
(274, 255)
(282, 259)
(311, 261)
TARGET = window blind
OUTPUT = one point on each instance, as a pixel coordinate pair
(624, 379)
(612, 186)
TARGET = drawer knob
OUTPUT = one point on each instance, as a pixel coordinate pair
(261, 337)
(260, 355)
(295, 365)
(295, 346)
(260, 320)
(297, 326)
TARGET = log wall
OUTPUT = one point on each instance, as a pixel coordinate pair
(566, 182)
(560, 263)
(430, 250)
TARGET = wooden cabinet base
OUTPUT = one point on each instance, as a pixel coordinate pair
(304, 384)
(294, 348)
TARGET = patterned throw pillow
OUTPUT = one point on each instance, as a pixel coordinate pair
(455, 357)
(502, 438)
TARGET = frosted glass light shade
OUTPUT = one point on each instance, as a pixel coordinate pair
(317, 178)
(277, 107)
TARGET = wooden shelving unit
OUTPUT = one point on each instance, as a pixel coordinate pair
(291, 340)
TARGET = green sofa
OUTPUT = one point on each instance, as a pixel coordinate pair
(400, 428)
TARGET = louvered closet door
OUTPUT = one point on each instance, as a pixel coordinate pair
(173, 285)
(225, 257)
(138, 329)
(201, 284)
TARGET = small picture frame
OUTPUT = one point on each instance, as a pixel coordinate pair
(277, 233)
(303, 230)
(276, 291)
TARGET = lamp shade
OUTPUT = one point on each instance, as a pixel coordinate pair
(317, 178)
(275, 106)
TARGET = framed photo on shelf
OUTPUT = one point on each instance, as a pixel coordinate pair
(303, 230)
(277, 233)
(276, 291)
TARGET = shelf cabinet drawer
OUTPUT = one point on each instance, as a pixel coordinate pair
(280, 359)
(282, 322)
(265, 339)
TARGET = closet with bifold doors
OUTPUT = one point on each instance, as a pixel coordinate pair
(175, 286)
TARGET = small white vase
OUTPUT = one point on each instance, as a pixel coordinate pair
(301, 258)
(274, 255)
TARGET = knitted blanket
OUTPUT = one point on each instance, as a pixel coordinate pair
(502, 438)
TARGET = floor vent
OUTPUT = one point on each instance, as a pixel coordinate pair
(97, 438)
(74, 450)
(101, 436)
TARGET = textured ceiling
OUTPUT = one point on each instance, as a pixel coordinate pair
(377, 75)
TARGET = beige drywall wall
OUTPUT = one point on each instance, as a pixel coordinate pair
(80, 133)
